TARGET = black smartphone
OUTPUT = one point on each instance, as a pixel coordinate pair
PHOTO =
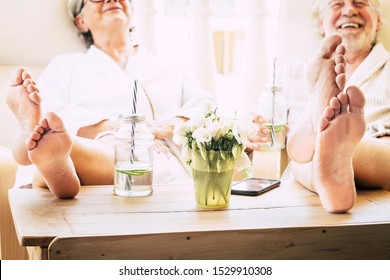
(254, 186)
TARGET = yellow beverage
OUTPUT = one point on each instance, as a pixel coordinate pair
(280, 134)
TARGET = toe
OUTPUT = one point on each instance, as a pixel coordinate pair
(27, 83)
(39, 129)
(35, 97)
(30, 144)
(340, 49)
(17, 77)
(329, 113)
(340, 81)
(26, 75)
(35, 136)
(339, 59)
(343, 98)
(339, 68)
(322, 123)
(329, 45)
(356, 100)
(43, 123)
(335, 105)
(32, 87)
(55, 122)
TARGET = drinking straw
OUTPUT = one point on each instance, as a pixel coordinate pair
(135, 90)
(129, 180)
(273, 107)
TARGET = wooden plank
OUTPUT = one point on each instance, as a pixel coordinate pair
(347, 242)
(272, 218)
(177, 199)
(174, 198)
(37, 253)
(378, 197)
(39, 217)
(10, 248)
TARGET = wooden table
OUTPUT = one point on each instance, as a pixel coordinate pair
(286, 223)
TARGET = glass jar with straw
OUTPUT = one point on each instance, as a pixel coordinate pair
(133, 158)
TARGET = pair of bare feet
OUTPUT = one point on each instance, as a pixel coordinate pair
(330, 129)
(42, 140)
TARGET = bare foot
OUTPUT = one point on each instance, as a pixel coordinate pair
(48, 148)
(325, 79)
(340, 130)
(23, 99)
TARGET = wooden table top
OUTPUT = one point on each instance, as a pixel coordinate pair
(39, 217)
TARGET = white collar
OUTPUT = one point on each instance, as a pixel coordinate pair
(373, 62)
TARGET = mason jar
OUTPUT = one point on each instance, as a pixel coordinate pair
(273, 108)
(133, 158)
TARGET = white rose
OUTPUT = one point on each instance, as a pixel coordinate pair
(201, 135)
(214, 130)
(242, 129)
(196, 122)
(207, 107)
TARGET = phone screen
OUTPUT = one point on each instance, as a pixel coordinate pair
(254, 186)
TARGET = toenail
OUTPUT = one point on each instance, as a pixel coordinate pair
(26, 82)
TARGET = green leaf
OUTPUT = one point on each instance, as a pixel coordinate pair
(203, 152)
(236, 151)
(219, 165)
(194, 146)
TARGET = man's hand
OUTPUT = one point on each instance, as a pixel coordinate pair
(261, 136)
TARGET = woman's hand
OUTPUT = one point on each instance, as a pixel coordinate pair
(93, 130)
(163, 129)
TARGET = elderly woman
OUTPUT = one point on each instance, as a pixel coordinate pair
(88, 91)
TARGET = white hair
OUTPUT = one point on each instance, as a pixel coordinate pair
(75, 8)
(318, 7)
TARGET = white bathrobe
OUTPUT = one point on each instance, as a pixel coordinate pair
(86, 88)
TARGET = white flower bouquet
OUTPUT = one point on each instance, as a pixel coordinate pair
(214, 146)
(209, 132)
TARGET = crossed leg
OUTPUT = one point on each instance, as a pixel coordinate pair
(323, 144)
(48, 148)
(326, 79)
(22, 97)
(340, 130)
(331, 172)
(45, 143)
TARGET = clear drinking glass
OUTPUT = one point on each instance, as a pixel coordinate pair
(133, 158)
(267, 163)
(273, 108)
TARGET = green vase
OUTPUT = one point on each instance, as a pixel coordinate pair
(213, 179)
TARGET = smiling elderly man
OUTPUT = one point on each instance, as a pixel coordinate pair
(326, 145)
